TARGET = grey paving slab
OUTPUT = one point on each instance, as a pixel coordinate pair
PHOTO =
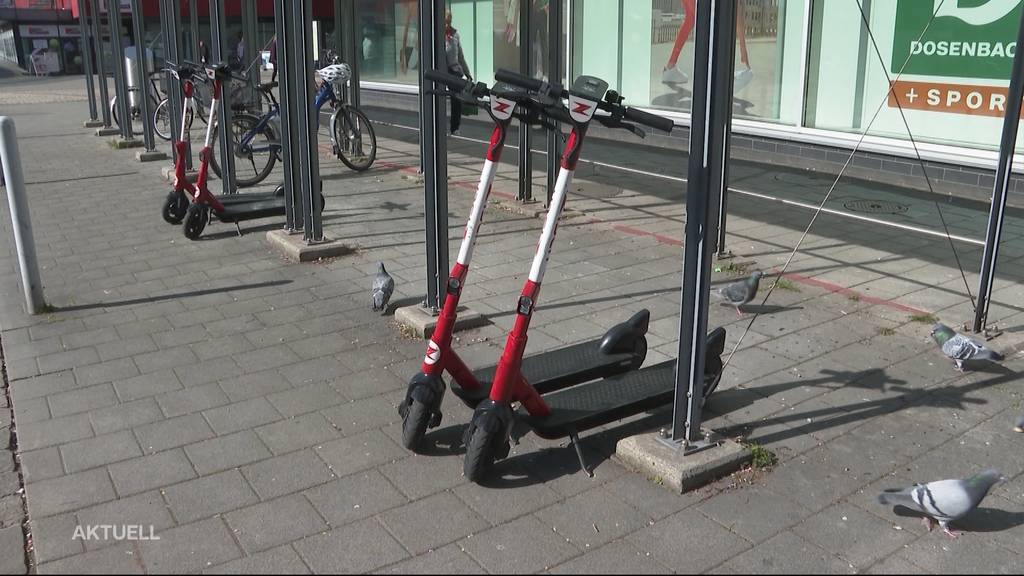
(67, 493)
(356, 548)
(40, 434)
(707, 544)
(120, 559)
(855, 536)
(173, 433)
(290, 434)
(356, 453)
(125, 415)
(147, 385)
(41, 464)
(98, 451)
(304, 399)
(432, 522)
(147, 511)
(280, 560)
(191, 400)
(287, 474)
(209, 496)
(224, 452)
(190, 548)
(592, 519)
(522, 546)
(53, 537)
(619, 557)
(241, 415)
(451, 559)
(149, 472)
(276, 522)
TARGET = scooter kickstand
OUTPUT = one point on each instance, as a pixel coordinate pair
(239, 229)
(575, 439)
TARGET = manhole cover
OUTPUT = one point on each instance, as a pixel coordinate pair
(876, 207)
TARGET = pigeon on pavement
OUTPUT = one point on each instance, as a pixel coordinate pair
(741, 292)
(383, 287)
(961, 348)
(1019, 427)
(944, 500)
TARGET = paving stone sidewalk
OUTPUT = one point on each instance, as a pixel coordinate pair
(242, 407)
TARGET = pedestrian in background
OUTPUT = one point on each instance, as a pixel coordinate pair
(456, 65)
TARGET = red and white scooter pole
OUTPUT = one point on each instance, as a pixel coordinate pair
(508, 383)
(440, 356)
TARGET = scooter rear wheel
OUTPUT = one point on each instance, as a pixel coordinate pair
(195, 221)
(414, 424)
(175, 207)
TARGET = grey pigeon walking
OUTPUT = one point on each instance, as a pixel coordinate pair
(943, 500)
(383, 288)
(961, 348)
(741, 292)
(1019, 426)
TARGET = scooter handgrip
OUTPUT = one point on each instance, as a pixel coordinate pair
(648, 119)
(450, 80)
(516, 79)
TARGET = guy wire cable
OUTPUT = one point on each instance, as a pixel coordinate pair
(832, 188)
(917, 152)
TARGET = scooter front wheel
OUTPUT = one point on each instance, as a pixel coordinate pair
(414, 424)
(196, 219)
(175, 207)
(481, 453)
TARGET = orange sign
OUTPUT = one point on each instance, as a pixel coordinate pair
(950, 98)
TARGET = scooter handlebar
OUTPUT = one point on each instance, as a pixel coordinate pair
(648, 119)
(532, 84)
(450, 80)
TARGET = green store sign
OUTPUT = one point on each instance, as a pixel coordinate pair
(967, 39)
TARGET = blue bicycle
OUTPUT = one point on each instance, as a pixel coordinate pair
(258, 146)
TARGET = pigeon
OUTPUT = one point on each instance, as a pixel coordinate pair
(741, 292)
(944, 500)
(961, 348)
(1019, 427)
(383, 287)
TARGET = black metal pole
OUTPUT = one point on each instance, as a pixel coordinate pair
(171, 16)
(555, 64)
(85, 46)
(101, 69)
(525, 193)
(120, 85)
(193, 24)
(306, 116)
(351, 39)
(218, 29)
(292, 205)
(433, 151)
(142, 76)
(1002, 187)
(709, 118)
(721, 166)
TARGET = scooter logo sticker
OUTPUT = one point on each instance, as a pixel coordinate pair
(581, 110)
(433, 353)
(501, 108)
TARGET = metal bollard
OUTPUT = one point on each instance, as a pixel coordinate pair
(20, 219)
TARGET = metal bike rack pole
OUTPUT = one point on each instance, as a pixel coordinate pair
(1004, 172)
(306, 117)
(711, 109)
(525, 193)
(86, 49)
(21, 220)
(434, 151)
(142, 73)
(720, 168)
(555, 64)
(193, 24)
(218, 23)
(120, 85)
(292, 204)
(253, 48)
(350, 54)
(101, 69)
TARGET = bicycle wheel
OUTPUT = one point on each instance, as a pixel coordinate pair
(255, 163)
(357, 144)
(162, 120)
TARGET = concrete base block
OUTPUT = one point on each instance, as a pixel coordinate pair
(122, 144)
(92, 124)
(168, 173)
(421, 322)
(295, 248)
(154, 156)
(666, 465)
(107, 132)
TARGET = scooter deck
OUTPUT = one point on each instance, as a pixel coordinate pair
(555, 370)
(616, 397)
(250, 210)
(246, 197)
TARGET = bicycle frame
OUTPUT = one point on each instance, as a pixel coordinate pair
(324, 96)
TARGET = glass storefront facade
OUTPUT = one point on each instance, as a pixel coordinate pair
(804, 68)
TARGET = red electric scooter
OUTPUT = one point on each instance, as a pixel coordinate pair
(622, 348)
(568, 411)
